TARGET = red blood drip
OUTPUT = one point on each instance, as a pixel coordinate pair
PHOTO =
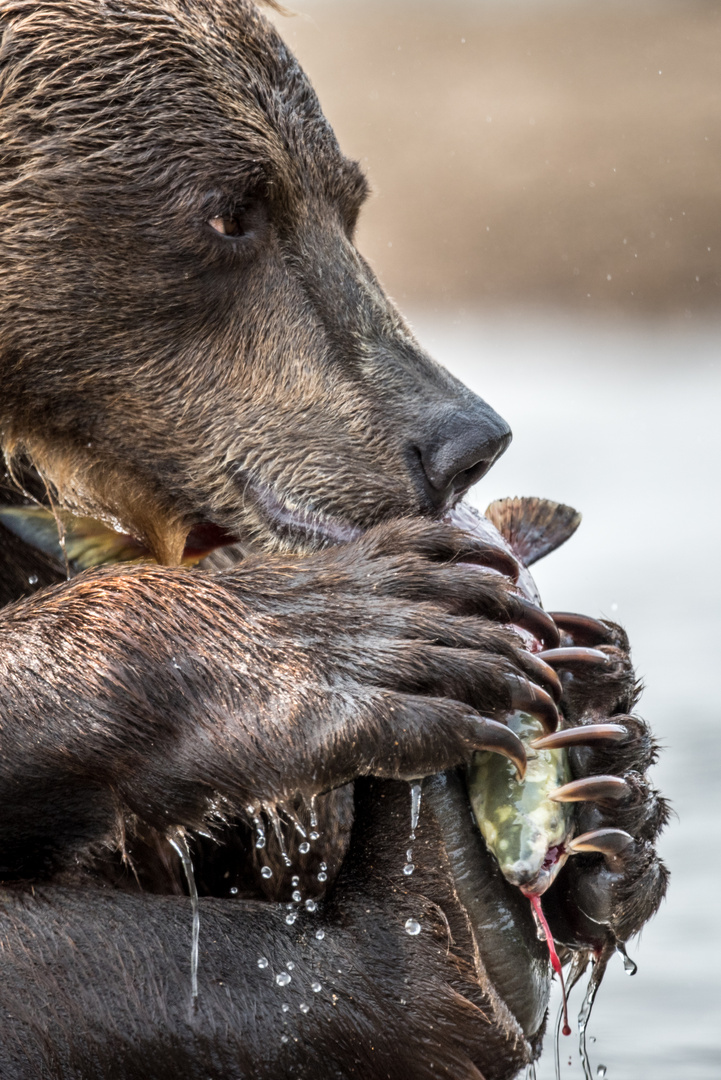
(555, 962)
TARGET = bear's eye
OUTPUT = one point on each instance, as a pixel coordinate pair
(227, 226)
(245, 220)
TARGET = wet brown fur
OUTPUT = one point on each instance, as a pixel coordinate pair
(158, 375)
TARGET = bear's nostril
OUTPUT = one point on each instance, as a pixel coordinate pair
(458, 448)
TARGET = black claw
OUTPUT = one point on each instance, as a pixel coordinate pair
(525, 697)
(592, 789)
(499, 739)
(576, 656)
(583, 630)
(609, 842)
(538, 622)
(544, 675)
(579, 736)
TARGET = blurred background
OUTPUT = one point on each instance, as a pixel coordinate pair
(547, 213)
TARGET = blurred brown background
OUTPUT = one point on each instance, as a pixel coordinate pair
(538, 153)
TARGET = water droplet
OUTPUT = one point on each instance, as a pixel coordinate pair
(263, 962)
(310, 905)
(33, 579)
(320, 934)
(413, 927)
(322, 876)
(305, 1008)
(295, 881)
(266, 872)
(415, 806)
(408, 869)
(285, 1007)
(250, 810)
(296, 896)
(283, 978)
(304, 848)
(284, 1038)
(313, 835)
(290, 918)
(324, 866)
(316, 987)
(179, 841)
(233, 890)
(313, 814)
(531, 1072)
(601, 1070)
(628, 965)
(290, 965)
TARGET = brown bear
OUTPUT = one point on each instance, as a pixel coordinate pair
(195, 356)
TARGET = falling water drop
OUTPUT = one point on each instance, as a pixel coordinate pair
(316, 987)
(310, 905)
(415, 807)
(531, 1072)
(179, 841)
(320, 934)
(322, 876)
(285, 1007)
(295, 881)
(291, 917)
(284, 1038)
(628, 965)
(412, 927)
(283, 978)
(304, 1008)
(584, 1016)
(408, 869)
(263, 962)
(234, 890)
(601, 1071)
(313, 813)
(304, 848)
(279, 835)
(313, 835)
(290, 965)
(266, 872)
(296, 896)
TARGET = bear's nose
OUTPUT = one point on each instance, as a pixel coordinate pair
(458, 447)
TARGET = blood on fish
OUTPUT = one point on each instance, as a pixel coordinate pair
(555, 962)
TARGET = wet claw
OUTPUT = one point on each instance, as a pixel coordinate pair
(525, 697)
(537, 621)
(609, 842)
(580, 736)
(543, 674)
(575, 656)
(582, 629)
(592, 789)
(499, 739)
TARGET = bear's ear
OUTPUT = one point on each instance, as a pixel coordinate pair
(533, 527)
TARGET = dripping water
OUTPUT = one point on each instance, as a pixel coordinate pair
(279, 835)
(259, 830)
(531, 1072)
(628, 964)
(415, 814)
(179, 841)
(597, 972)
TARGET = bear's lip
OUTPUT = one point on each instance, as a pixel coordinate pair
(299, 525)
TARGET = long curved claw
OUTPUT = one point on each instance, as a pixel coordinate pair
(613, 844)
(499, 739)
(583, 630)
(592, 789)
(534, 619)
(579, 736)
(525, 697)
(493, 559)
(544, 675)
(609, 842)
(575, 656)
